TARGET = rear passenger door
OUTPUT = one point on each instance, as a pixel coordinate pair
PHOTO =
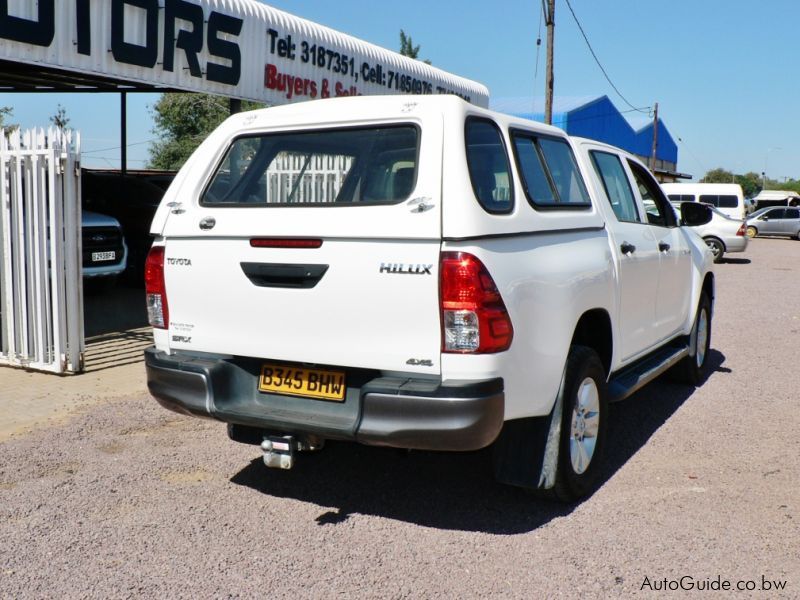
(638, 256)
(792, 222)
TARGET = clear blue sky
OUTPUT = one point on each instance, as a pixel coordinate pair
(723, 72)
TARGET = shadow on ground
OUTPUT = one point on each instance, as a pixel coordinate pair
(452, 490)
(116, 328)
(114, 310)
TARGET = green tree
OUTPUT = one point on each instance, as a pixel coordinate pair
(718, 175)
(60, 119)
(182, 122)
(750, 182)
(5, 112)
(407, 47)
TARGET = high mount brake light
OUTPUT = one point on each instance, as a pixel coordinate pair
(284, 243)
(474, 317)
(155, 290)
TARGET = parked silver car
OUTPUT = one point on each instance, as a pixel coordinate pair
(775, 221)
(105, 253)
(722, 234)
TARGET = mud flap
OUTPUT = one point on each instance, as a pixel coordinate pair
(526, 452)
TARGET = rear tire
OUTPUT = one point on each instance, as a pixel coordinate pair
(583, 425)
(717, 248)
(752, 232)
(693, 368)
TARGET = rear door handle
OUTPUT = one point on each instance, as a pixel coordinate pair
(627, 248)
(284, 275)
(663, 247)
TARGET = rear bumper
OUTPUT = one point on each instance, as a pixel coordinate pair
(381, 411)
(736, 244)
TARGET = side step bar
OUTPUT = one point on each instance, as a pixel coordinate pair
(632, 378)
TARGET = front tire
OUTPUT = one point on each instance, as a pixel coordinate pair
(583, 425)
(717, 248)
(692, 369)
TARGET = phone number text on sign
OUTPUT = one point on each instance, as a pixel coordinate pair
(338, 63)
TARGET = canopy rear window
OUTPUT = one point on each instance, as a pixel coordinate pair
(362, 166)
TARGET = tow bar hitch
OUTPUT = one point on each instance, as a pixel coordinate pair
(279, 451)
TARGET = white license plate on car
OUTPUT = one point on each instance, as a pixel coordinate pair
(103, 256)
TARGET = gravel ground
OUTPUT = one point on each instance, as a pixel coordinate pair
(130, 500)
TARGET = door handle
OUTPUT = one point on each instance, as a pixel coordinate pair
(663, 247)
(627, 248)
(284, 275)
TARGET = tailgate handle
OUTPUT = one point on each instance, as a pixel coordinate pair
(284, 275)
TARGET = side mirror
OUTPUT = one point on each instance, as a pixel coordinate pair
(695, 214)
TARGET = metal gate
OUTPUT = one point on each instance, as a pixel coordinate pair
(41, 292)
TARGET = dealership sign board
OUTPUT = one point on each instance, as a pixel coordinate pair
(237, 48)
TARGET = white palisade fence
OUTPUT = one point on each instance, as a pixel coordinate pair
(41, 292)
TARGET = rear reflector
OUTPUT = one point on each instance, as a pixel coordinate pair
(284, 243)
(474, 317)
(155, 290)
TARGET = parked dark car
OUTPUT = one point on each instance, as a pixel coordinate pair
(132, 200)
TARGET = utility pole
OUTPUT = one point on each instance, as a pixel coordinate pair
(655, 138)
(549, 8)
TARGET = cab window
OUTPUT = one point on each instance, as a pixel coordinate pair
(618, 188)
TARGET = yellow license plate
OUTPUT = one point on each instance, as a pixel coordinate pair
(299, 381)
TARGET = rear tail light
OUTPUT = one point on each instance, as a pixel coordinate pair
(742, 230)
(474, 317)
(155, 290)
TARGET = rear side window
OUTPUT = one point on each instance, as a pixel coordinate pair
(721, 201)
(489, 170)
(549, 172)
(683, 198)
(375, 165)
(617, 186)
(792, 213)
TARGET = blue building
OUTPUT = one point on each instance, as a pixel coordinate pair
(596, 117)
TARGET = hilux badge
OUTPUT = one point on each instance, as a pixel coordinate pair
(404, 269)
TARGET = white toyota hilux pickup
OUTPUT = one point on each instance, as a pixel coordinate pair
(417, 272)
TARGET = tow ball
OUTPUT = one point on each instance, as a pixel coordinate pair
(280, 450)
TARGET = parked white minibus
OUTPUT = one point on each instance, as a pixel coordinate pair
(727, 197)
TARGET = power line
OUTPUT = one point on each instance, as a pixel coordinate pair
(538, 52)
(115, 147)
(597, 60)
(697, 160)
